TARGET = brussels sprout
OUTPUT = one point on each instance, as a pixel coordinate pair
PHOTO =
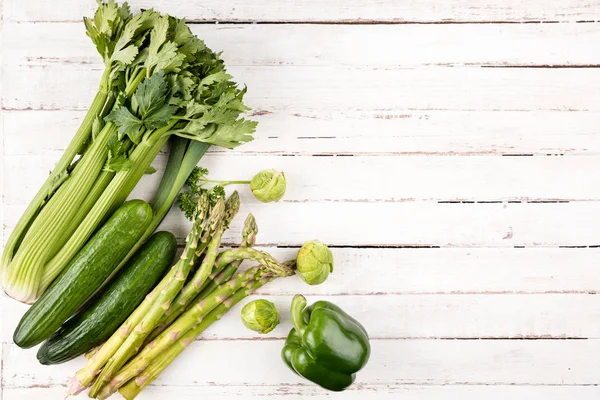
(314, 262)
(268, 185)
(260, 316)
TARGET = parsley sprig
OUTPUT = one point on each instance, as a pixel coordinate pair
(195, 185)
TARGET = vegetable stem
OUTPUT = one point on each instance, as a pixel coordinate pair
(136, 385)
(22, 277)
(50, 272)
(110, 197)
(297, 313)
(178, 329)
(265, 259)
(82, 136)
(225, 183)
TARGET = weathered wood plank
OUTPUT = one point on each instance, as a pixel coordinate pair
(410, 271)
(368, 178)
(358, 392)
(405, 223)
(383, 271)
(353, 11)
(38, 45)
(322, 90)
(408, 132)
(423, 316)
(393, 362)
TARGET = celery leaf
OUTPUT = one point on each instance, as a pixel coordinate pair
(160, 117)
(150, 95)
(127, 123)
(117, 156)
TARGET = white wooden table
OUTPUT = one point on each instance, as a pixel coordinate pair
(449, 151)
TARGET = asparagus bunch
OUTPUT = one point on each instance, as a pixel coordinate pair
(198, 240)
(175, 313)
(132, 388)
(186, 327)
(178, 329)
(216, 278)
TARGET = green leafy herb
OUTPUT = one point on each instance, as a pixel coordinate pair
(127, 123)
(188, 199)
(150, 95)
(117, 156)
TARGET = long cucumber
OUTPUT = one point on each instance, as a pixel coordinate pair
(86, 272)
(109, 310)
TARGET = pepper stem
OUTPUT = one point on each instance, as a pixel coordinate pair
(297, 313)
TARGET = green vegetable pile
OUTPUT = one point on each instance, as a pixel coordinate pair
(202, 281)
(106, 285)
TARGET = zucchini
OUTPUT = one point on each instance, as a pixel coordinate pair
(84, 274)
(111, 308)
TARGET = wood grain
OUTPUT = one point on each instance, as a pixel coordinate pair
(352, 130)
(373, 178)
(406, 224)
(352, 11)
(318, 90)
(427, 316)
(499, 45)
(401, 362)
(362, 132)
(358, 392)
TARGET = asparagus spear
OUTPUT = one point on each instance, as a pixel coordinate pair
(93, 351)
(136, 385)
(249, 233)
(170, 318)
(192, 291)
(86, 375)
(247, 253)
(163, 300)
(180, 327)
(192, 288)
(216, 278)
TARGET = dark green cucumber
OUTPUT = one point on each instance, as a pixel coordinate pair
(84, 274)
(111, 308)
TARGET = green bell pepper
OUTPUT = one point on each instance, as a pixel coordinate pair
(326, 345)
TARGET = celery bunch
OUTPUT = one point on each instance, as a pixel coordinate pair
(160, 81)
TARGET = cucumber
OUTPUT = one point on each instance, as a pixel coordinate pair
(84, 274)
(111, 308)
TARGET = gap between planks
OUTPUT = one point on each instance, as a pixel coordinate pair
(349, 11)
(350, 22)
(354, 388)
